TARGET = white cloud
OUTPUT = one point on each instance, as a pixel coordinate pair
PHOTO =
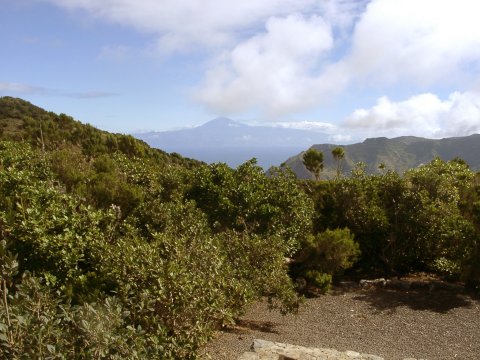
(180, 24)
(277, 57)
(222, 26)
(270, 71)
(336, 134)
(411, 43)
(340, 138)
(421, 115)
(421, 42)
(305, 125)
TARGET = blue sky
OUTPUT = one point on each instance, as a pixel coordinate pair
(353, 69)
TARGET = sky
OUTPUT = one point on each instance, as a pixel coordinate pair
(350, 68)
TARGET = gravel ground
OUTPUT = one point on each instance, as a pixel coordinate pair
(394, 324)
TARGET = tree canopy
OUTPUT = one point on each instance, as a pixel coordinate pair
(313, 161)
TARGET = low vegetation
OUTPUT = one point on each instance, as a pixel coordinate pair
(110, 249)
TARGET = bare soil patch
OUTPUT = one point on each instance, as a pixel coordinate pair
(418, 322)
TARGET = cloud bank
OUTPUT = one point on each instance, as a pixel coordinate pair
(420, 42)
(182, 24)
(270, 71)
(420, 115)
(394, 43)
(424, 115)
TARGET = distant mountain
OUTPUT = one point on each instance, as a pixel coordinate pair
(398, 154)
(225, 140)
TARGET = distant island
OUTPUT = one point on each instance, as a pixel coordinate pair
(232, 142)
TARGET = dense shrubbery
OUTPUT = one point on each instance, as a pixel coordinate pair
(427, 220)
(246, 200)
(124, 257)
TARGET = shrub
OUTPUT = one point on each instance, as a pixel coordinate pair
(321, 280)
(246, 199)
(257, 264)
(126, 258)
(325, 255)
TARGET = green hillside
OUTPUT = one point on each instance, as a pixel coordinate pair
(399, 154)
(23, 121)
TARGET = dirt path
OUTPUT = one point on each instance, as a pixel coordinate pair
(394, 324)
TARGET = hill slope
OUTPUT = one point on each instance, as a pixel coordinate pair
(21, 120)
(398, 154)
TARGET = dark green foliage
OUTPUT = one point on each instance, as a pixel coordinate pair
(324, 255)
(112, 250)
(447, 238)
(399, 154)
(20, 120)
(246, 200)
(320, 280)
(258, 267)
(470, 208)
(259, 220)
(36, 323)
(116, 260)
(338, 154)
(124, 251)
(175, 285)
(330, 251)
(424, 221)
(313, 161)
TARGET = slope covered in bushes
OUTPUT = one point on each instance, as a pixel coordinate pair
(128, 260)
(23, 121)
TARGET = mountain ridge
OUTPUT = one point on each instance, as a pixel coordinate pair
(399, 154)
(229, 136)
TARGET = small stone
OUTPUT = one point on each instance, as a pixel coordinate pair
(375, 282)
(352, 353)
(398, 284)
(261, 344)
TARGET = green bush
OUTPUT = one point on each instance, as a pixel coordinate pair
(320, 280)
(325, 255)
(425, 220)
(246, 199)
(105, 272)
(257, 264)
(109, 249)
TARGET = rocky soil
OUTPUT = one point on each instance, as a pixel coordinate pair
(415, 320)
